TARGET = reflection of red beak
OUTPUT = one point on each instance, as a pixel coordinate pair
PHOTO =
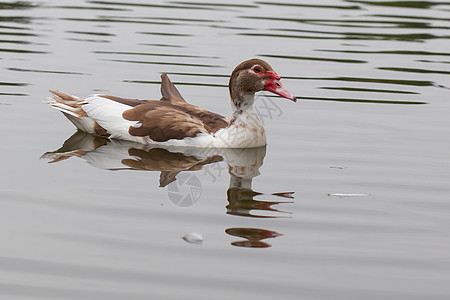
(273, 85)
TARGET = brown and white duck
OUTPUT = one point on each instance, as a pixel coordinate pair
(172, 121)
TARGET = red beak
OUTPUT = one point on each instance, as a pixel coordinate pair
(273, 85)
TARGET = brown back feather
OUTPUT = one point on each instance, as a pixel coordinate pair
(126, 101)
(169, 92)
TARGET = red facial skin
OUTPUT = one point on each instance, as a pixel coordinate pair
(273, 83)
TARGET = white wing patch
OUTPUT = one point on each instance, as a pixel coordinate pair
(108, 114)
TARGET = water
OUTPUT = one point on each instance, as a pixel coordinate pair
(365, 151)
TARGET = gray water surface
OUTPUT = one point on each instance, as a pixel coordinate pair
(349, 200)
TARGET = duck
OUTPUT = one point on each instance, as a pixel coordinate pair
(171, 121)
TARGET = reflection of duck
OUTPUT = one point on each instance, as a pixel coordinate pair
(118, 155)
(253, 236)
(243, 166)
(242, 203)
(174, 122)
(240, 194)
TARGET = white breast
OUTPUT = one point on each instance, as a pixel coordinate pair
(246, 131)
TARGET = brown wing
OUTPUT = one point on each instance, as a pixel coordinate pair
(210, 120)
(162, 121)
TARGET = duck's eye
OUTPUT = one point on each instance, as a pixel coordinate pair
(257, 69)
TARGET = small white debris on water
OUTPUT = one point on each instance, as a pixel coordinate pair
(348, 195)
(193, 238)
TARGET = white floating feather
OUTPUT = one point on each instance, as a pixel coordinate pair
(193, 238)
(349, 195)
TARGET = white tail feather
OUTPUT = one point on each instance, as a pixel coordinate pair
(60, 106)
(85, 124)
(71, 107)
(95, 114)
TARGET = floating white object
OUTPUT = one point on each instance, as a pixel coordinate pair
(193, 238)
(348, 195)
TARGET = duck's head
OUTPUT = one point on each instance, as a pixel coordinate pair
(252, 76)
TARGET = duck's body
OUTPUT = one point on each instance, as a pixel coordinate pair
(172, 121)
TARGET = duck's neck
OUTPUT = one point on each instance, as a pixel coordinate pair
(242, 105)
(244, 118)
(245, 129)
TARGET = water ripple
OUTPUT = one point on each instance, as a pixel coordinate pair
(369, 80)
(195, 6)
(413, 37)
(412, 17)
(154, 54)
(178, 83)
(47, 71)
(17, 5)
(353, 89)
(348, 61)
(102, 8)
(13, 83)
(380, 101)
(408, 4)
(23, 51)
(91, 33)
(413, 70)
(351, 7)
(354, 23)
(164, 63)
(390, 52)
